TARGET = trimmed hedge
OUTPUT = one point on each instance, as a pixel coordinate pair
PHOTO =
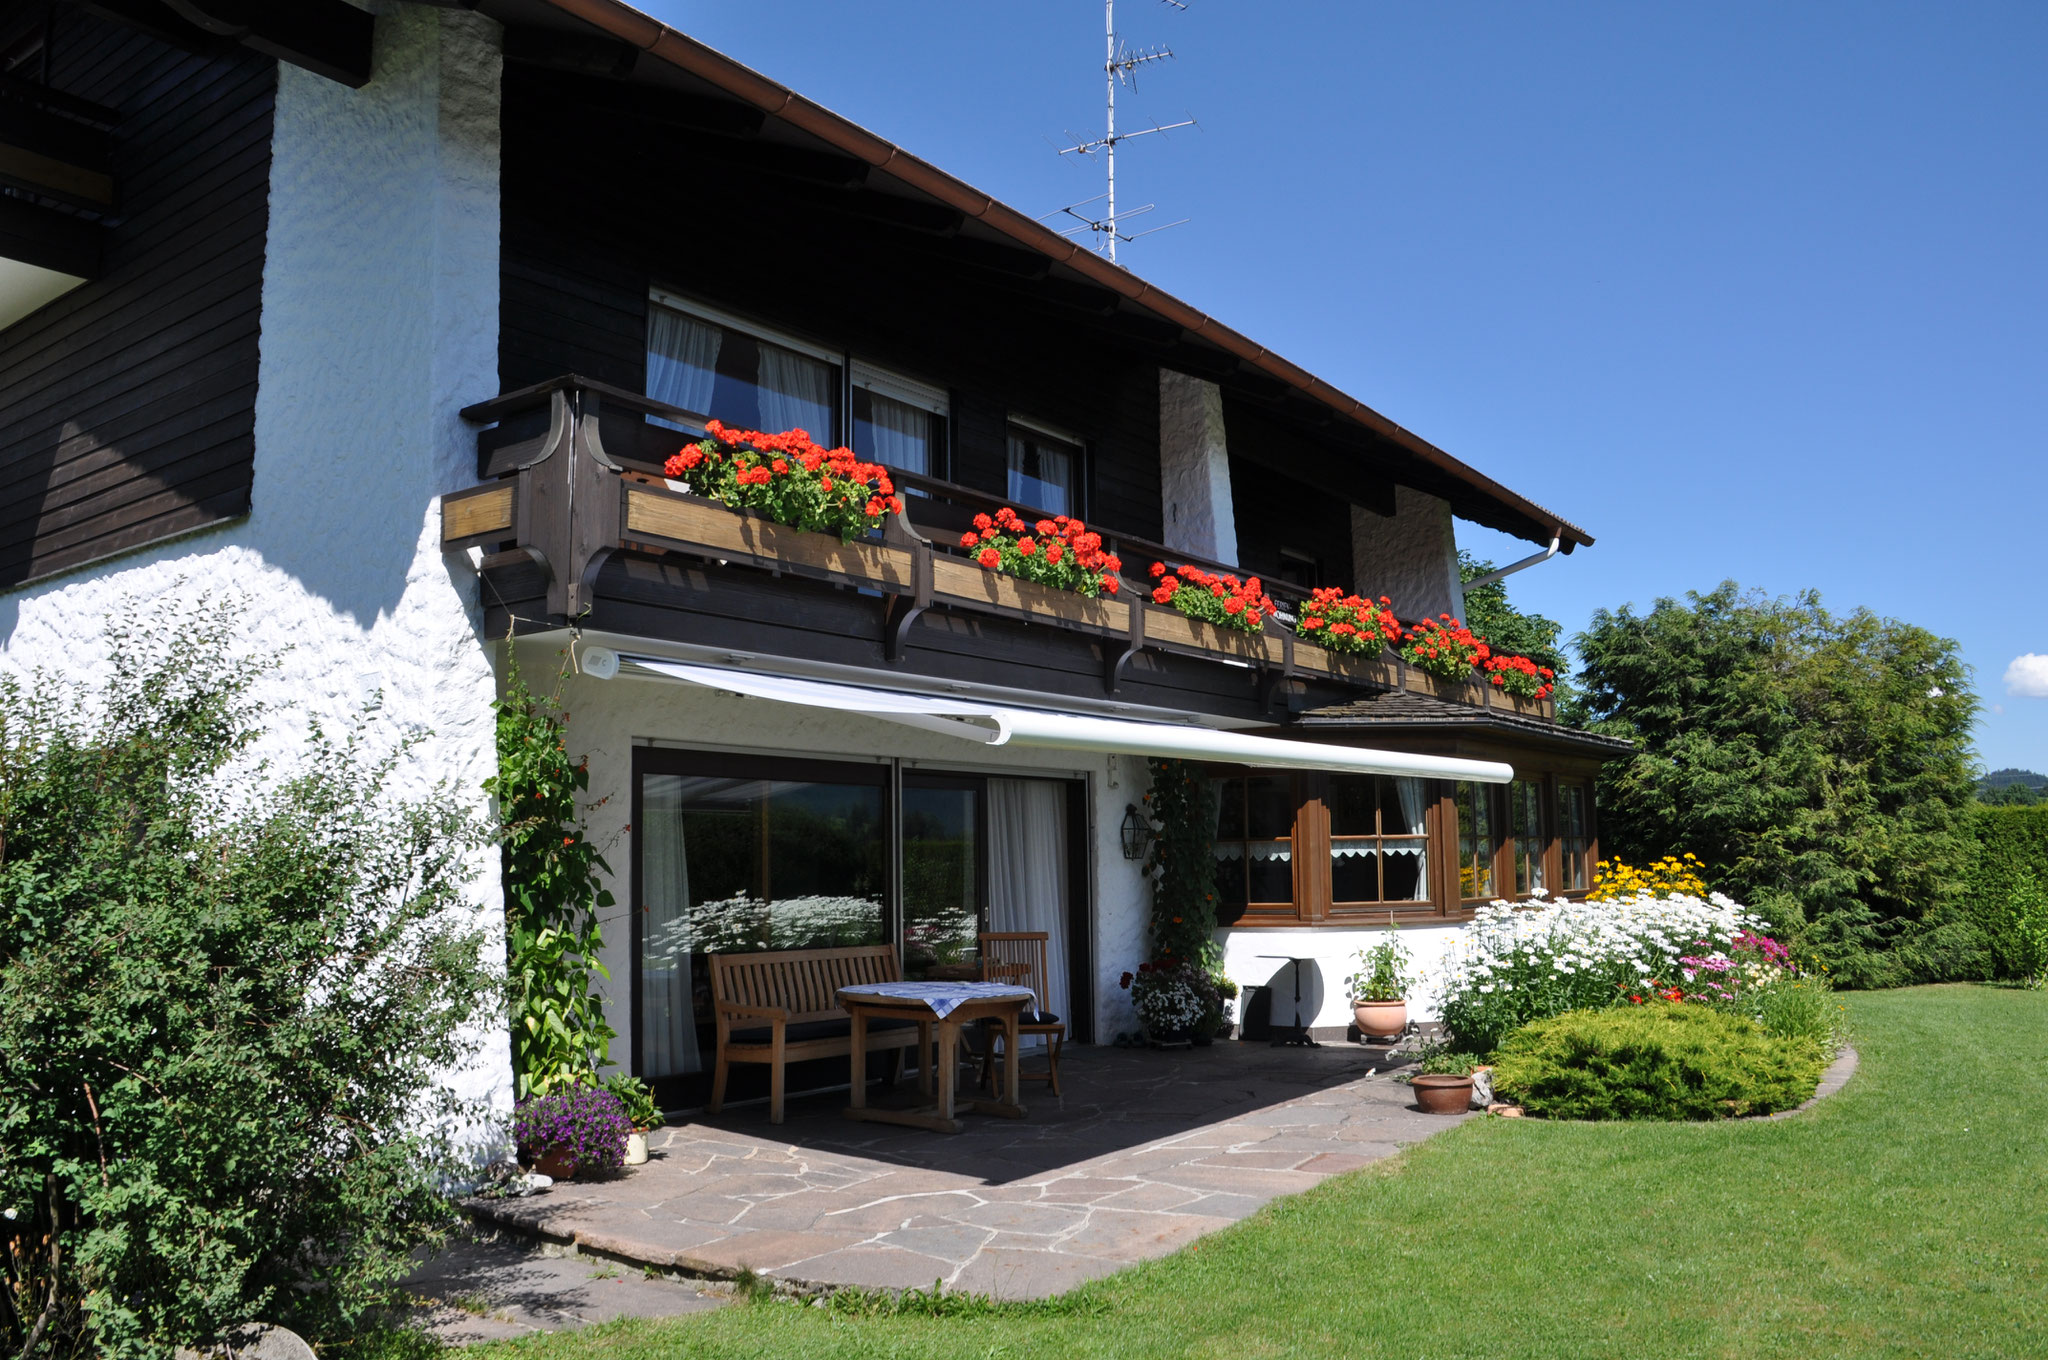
(1654, 1062)
(2007, 886)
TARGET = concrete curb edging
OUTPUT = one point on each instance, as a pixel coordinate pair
(1833, 1079)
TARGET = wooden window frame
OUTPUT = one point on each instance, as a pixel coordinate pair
(1084, 460)
(1433, 901)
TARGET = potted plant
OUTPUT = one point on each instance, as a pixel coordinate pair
(1379, 989)
(572, 1131)
(636, 1098)
(1168, 1001)
(1443, 1082)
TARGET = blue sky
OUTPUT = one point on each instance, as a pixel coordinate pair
(1753, 291)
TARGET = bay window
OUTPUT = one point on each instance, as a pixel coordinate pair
(1379, 839)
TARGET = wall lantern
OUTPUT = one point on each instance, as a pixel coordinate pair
(1137, 832)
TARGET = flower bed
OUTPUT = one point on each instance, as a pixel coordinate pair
(1517, 963)
(1445, 648)
(788, 478)
(1062, 553)
(1219, 599)
(1519, 676)
(1350, 624)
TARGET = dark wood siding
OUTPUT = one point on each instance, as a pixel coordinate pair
(598, 208)
(127, 406)
(1276, 512)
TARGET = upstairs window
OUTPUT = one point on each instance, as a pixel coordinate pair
(1045, 470)
(898, 422)
(726, 369)
(1379, 839)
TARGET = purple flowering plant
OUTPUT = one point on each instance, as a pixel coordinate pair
(586, 1122)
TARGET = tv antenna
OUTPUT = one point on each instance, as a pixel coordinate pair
(1120, 67)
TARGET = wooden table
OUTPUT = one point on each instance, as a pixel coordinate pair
(987, 1001)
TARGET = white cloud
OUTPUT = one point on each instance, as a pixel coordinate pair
(2027, 676)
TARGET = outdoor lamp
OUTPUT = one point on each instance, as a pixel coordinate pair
(1136, 831)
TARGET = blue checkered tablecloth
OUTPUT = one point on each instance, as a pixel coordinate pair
(943, 997)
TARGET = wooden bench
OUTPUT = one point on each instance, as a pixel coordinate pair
(783, 1007)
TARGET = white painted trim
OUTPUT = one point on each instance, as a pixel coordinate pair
(896, 387)
(758, 330)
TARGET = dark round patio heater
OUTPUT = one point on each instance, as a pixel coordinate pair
(1295, 1035)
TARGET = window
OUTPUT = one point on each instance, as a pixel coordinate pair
(1379, 839)
(1254, 845)
(898, 422)
(1525, 826)
(744, 855)
(1478, 842)
(1300, 569)
(942, 873)
(1574, 834)
(720, 367)
(1045, 470)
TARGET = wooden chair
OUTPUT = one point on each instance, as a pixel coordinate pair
(1018, 956)
(783, 1007)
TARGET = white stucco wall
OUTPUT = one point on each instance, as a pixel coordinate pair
(1333, 954)
(380, 321)
(1410, 557)
(1194, 468)
(607, 718)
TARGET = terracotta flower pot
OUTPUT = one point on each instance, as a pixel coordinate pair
(556, 1164)
(1380, 1017)
(1442, 1093)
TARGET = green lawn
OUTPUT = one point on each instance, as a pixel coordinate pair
(1906, 1216)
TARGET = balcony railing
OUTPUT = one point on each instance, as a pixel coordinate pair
(572, 474)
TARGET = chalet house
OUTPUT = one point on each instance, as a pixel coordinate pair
(385, 319)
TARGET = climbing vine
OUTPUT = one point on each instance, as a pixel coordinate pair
(553, 895)
(1182, 864)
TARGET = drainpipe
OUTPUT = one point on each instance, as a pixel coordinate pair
(1556, 537)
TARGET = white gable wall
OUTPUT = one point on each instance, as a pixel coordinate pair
(380, 322)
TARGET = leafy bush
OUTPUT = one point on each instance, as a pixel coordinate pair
(588, 1123)
(1512, 964)
(1181, 863)
(2008, 888)
(225, 999)
(1654, 1061)
(636, 1098)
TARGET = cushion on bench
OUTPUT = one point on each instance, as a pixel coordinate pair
(812, 1029)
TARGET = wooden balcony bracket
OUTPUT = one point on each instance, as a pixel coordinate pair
(900, 612)
(1115, 660)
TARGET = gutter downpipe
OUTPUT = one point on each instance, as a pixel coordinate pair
(1556, 537)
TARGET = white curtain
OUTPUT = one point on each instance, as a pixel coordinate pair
(668, 1024)
(682, 359)
(901, 432)
(1414, 801)
(796, 393)
(1027, 873)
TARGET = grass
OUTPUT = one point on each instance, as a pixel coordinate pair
(1907, 1216)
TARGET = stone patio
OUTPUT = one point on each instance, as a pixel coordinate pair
(1145, 1152)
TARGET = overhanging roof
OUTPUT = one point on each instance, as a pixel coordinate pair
(988, 724)
(1476, 496)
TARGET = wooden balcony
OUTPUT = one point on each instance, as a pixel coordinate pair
(578, 524)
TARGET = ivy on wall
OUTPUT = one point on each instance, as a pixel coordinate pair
(553, 895)
(1181, 864)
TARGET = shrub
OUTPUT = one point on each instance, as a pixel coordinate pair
(1181, 863)
(1513, 964)
(1654, 1061)
(1219, 599)
(2007, 888)
(587, 1122)
(226, 997)
(1446, 649)
(790, 479)
(1061, 553)
(1350, 624)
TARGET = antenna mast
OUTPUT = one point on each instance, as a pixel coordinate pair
(1119, 66)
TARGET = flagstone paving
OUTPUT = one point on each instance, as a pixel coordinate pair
(1145, 1152)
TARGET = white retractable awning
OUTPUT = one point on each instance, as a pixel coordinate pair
(991, 724)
